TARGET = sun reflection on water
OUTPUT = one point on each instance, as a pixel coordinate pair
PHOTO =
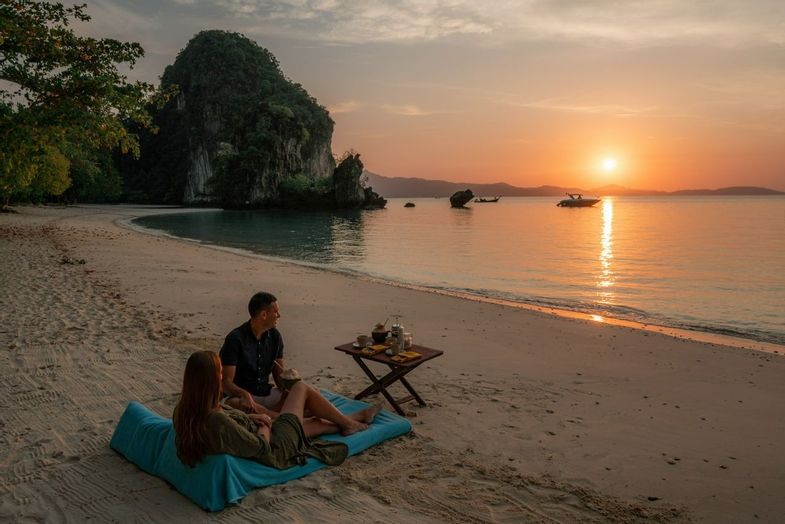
(606, 276)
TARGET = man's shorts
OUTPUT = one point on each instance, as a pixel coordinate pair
(272, 400)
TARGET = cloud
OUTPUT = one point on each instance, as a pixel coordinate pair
(358, 21)
(405, 110)
(721, 23)
(554, 105)
(345, 107)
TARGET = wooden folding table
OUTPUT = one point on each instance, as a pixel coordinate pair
(397, 373)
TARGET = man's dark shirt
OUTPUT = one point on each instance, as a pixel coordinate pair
(254, 358)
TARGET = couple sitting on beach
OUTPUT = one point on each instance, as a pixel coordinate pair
(272, 425)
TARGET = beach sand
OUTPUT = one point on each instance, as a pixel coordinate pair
(530, 417)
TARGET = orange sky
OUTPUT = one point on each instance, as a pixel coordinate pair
(528, 93)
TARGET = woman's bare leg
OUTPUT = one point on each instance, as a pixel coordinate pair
(302, 396)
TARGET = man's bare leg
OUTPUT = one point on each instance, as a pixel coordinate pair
(302, 396)
(315, 426)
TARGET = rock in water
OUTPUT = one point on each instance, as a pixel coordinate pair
(349, 185)
(460, 198)
(347, 182)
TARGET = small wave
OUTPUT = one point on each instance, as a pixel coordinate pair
(619, 312)
(754, 334)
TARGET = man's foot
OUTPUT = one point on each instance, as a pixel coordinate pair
(367, 415)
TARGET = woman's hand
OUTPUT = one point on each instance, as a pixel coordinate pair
(260, 419)
(263, 430)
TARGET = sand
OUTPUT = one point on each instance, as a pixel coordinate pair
(530, 417)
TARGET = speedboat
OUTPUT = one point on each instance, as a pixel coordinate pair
(577, 200)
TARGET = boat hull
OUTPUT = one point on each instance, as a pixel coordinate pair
(583, 202)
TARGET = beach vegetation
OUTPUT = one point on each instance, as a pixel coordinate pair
(303, 191)
(62, 100)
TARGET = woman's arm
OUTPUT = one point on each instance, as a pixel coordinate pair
(228, 436)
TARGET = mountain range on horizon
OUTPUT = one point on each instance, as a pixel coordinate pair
(393, 187)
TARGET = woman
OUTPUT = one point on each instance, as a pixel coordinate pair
(204, 427)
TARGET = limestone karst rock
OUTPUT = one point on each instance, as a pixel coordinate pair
(237, 128)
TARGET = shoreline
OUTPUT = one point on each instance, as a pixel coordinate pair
(699, 335)
(529, 416)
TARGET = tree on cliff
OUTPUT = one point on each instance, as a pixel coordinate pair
(63, 99)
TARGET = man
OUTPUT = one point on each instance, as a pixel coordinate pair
(249, 354)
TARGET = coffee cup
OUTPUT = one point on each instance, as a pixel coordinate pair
(363, 340)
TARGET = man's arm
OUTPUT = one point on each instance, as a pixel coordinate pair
(247, 402)
(232, 389)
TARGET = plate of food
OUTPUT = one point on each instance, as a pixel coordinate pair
(373, 350)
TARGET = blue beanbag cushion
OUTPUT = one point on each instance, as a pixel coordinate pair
(147, 439)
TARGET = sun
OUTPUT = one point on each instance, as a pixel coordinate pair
(609, 164)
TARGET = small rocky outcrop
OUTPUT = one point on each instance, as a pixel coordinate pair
(346, 182)
(373, 200)
(349, 190)
(461, 198)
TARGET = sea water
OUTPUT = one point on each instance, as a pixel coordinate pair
(713, 264)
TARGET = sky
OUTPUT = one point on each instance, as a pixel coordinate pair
(647, 94)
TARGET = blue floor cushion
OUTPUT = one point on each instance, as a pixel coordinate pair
(147, 439)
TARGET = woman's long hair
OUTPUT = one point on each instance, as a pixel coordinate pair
(201, 395)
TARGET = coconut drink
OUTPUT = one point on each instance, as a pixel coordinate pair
(290, 377)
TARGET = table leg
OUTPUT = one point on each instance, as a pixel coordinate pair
(414, 394)
(379, 385)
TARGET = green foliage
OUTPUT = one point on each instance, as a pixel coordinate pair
(61, 91)
(94, 177)
(300, 190)
(30, 158)
(300, 185)
(235, 173)
(52, 174)
(297, 184)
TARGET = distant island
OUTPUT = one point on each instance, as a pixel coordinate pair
(392, 187)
